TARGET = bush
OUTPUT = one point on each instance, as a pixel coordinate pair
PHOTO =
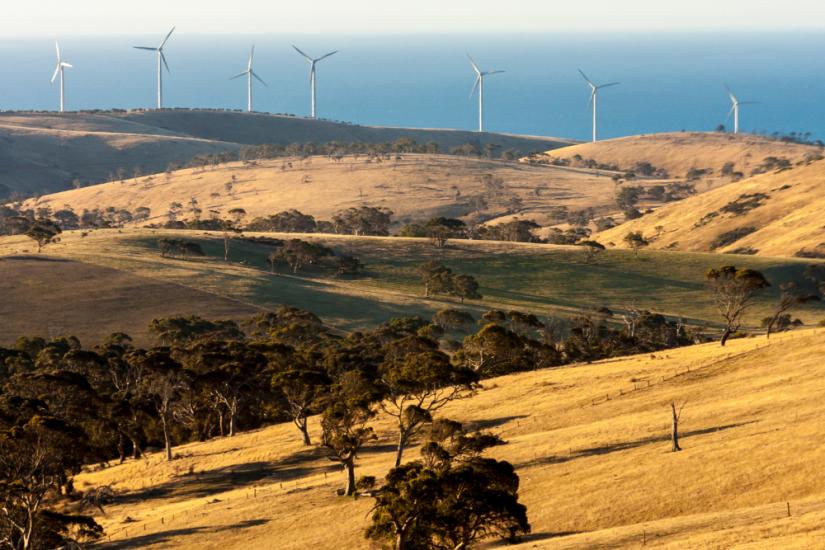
(730, 237)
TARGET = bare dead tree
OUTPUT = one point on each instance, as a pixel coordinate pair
(674, 430)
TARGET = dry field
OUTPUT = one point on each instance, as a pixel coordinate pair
(781, 215)
(46, 152)
(678, 152)
(590, 443)
(415, 187)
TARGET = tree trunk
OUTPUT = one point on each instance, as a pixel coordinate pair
(121, 447)
(725, 336)
(399, 451)
(674, 431)
(136, 452)
(166, 440)
(302, 425)
(226, 247)
(771, 325)
(349, 466)
(233, 421)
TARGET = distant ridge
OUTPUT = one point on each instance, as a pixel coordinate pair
(46, 152)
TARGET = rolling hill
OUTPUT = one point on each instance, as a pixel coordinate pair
(414, 187)
(589, 442)
(775, 214)
(678, 153)
(115, 280)
(47, 152)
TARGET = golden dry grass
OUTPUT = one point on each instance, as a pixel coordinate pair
(595, 473)
(790, 219)
(415, 187)
(678, 152)
(46, 152)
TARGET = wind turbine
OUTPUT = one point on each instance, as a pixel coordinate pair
(594, 96)
(249, 73)
(312, 62)
(161, 59)
(59, 70)
(479, 83)
(734, 110)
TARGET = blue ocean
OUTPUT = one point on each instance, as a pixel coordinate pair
(668, 81)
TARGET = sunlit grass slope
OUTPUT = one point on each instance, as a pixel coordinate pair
(590, 443)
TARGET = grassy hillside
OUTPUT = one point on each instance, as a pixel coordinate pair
(677, 153)
(589, 442)
(53, 297)
(46, 152)
(547, 280)
(415, 187)
(775, 214)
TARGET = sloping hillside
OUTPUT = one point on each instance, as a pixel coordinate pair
(776, 214)
(46, 152)
(590, 443)
(54, 297)
(678, 153)
(117, 281)
(415, 187)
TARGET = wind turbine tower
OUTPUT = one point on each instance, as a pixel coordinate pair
(59, 70)
(161, 61)
(479, 83)
(249, 73)
(734, 110)
(312, 63)
(594, 96)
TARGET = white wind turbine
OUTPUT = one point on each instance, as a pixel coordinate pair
(59, 70)
(479, 83)
(594, 96)
(734, 110)
(312, 62)
(161, 60)
(249, 73)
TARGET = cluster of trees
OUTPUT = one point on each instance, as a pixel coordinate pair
(297, 254)
(439, 279)
(169, 247)
(735, 290)
(17, 220)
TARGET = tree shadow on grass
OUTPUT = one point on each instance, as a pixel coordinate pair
(165, 537)
(617, 447)
(490, 423)
(532, 537)
(202, 484)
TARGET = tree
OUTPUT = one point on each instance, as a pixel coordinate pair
(302, 387)
(453, 319)
(465, 287)
(789, 296)
(674, 428)
(452, 498)
(231, 226)
(297, 254)
(635, 240)
(437, 278)
(733, 292)
(365, 220)
(163, 386)
(591, 250)
(43, 233)
(440, 230)
(344, 422)
(418, 380)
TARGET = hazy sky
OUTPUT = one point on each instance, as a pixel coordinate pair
(107, 17)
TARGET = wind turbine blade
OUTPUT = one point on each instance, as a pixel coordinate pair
(259, 79)
(732, 109)
(496, 72)
(67, 65)
(239, 75)
(584, 76)
(330, 54)
(251, 57)
(165, 64)
(749, 103)
(162, 44)
(57, 48)
(473, 63)
(308, 58)
(56, 72)
(592, 97)
(475, 86)
(145, 48)
(609, 84)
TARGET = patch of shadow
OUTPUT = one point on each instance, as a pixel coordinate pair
(617, 447)
(164, 537)
(36, 259)
(493, 422)
(532, 537)
(206, 483)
